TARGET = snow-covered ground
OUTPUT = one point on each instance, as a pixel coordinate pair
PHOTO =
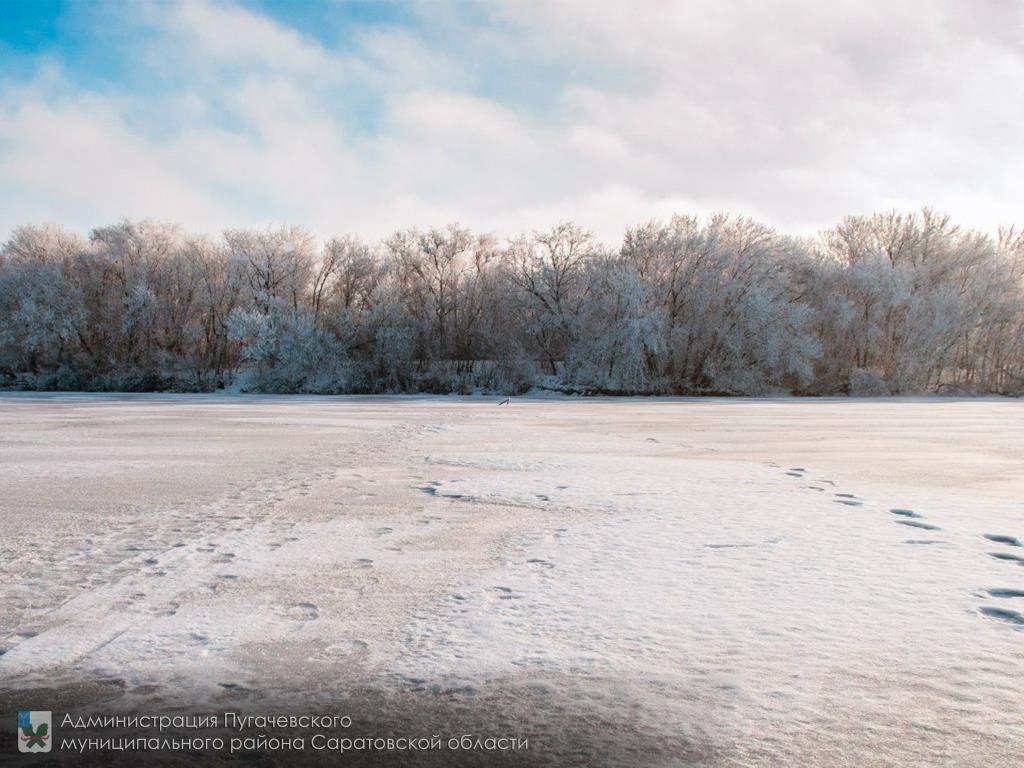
(658, 582)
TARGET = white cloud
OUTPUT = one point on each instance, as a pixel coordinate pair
(509, 116)
(231, 35)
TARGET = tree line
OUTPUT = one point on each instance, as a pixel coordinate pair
(884, 304)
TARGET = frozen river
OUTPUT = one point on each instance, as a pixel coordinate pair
(624, 582)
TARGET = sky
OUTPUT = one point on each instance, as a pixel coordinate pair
(365, 116)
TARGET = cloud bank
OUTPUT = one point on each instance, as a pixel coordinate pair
(508, 116)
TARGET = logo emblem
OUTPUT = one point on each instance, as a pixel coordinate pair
(34, 731)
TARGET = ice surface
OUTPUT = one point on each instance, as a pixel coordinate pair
(777, 582)
(730, 591)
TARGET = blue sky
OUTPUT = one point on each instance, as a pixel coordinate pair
(369, 115)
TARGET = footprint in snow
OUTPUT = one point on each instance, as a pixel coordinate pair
(918, 524)
(1008, 557)
(1014, 617)
(303, 612)
(848, 499)
(1001, 539)
(167, 609)
(14, 639)
(904, 512)
(1005, 592)
(343, 650)
(538, 562)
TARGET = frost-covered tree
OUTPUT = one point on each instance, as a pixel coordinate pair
(910, 303)
(620, 337)
(277, 263)
(40, 306)
(880, 304)
(724, 292)
(548, 271)
(287, 351)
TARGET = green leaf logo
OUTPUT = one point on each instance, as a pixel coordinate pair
(37, 737)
